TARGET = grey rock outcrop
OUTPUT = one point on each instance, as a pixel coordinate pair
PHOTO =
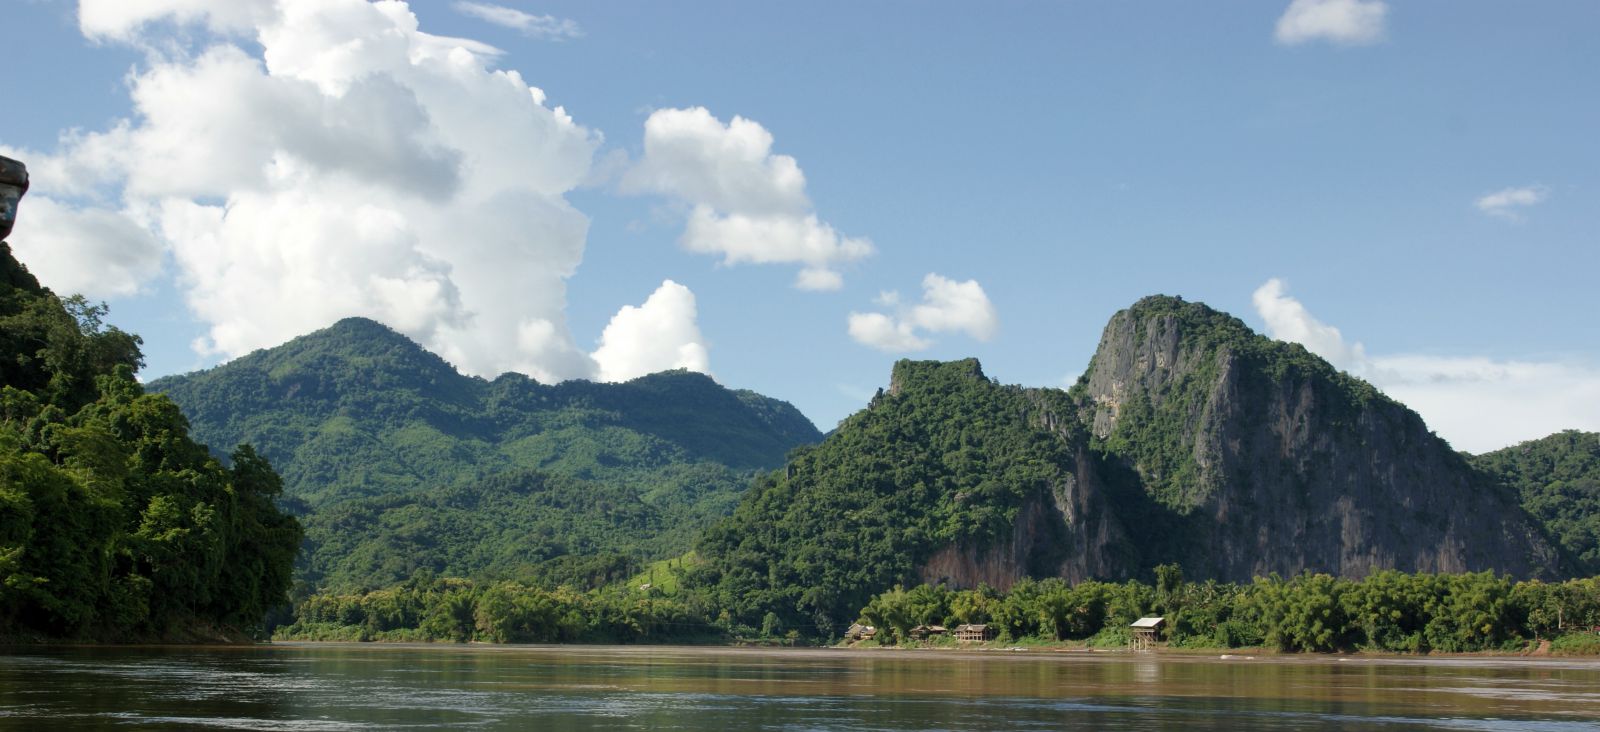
(13, 184)
(1264, 458)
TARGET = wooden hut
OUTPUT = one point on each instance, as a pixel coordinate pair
(974, 632)
(859, 632)
(923, 632)
(1145, 632)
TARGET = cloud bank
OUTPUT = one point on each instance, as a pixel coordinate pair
(1477, 403)
(1343, 22)
(947, 306)
(749, 204)
(354, 165)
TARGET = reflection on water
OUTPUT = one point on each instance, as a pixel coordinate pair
(366, 687)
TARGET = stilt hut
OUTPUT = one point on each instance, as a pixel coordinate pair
(859, 632)
(1145, 632)
(974, 633)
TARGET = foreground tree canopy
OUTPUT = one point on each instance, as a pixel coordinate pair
(113, 523)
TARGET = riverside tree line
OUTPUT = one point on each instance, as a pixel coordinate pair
(1386, 612)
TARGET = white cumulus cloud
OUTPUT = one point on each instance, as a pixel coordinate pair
(543, 27)
(775, 240)
(885, 333)
(1507, 203)
(342, 163)
(56, 240)
(947, 306)
(1345, 22)
(749, 204)
(1477, 403)
(1288, 320)
(659, 335)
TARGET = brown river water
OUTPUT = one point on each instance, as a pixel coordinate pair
(315, 686)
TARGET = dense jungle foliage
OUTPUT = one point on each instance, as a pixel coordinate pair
(1386, 612)
(1557, 479)
(397, 462)
(114, 524)
(516, 525)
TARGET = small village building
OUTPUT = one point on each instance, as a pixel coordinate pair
(859, 632)
(923, 632)
(974, 632)
(1145, 632)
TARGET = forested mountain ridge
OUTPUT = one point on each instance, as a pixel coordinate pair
(1189, 440)
(114, 524)
(359, 409)
(380, 441)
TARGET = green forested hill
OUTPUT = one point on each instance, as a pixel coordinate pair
(376, 433)
(946, 456)
(516, 525)
(1558, 479)
(114, 525)
(357, 409)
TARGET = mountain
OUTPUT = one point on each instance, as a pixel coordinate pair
(946, 476)
(114, 524)
(358, 417)
(1189, 440)
(1557, 479)
(1267, 459)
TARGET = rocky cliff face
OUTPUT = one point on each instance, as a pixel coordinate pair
(1205, 444)
(1065, 526)
(1068, 530)
(1266, 459)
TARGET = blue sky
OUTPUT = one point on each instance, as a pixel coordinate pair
(1410, 189)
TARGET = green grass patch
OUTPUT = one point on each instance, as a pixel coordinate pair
(1576, 644)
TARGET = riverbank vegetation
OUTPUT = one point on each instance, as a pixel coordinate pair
(446, 609)
(1388, 612)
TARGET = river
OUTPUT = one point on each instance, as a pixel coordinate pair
(288, 686)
